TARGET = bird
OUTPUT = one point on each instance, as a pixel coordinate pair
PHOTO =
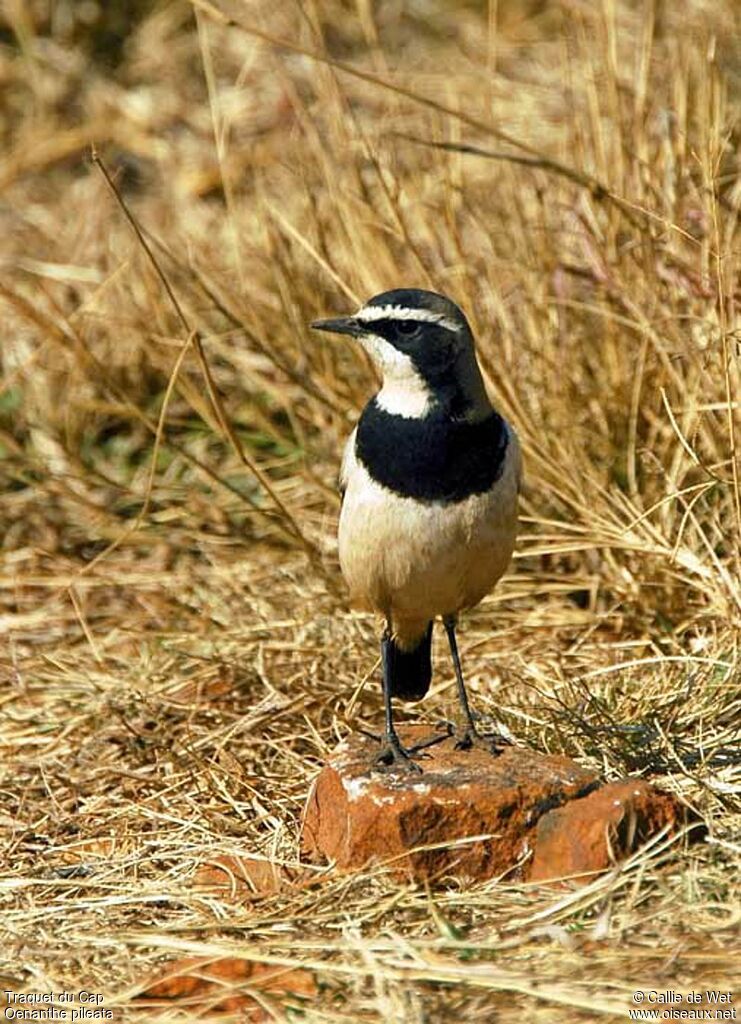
(429, 479)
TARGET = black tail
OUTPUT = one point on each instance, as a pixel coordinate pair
(410, 672)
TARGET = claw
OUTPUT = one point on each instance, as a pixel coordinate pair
(471, 738)
(432, 741)
(465, 742)
(371, 735)
(394, 755)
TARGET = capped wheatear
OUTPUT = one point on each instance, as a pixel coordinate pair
(430, 479)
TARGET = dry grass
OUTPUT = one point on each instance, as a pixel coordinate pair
(178, 656)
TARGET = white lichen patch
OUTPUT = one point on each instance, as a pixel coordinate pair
(442, 801)
(383, 798)
(356, 788)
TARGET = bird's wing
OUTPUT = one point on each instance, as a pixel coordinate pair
(516, 455)
(348, 461)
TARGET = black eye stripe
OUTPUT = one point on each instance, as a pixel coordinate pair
(387, 324)
(390, 328)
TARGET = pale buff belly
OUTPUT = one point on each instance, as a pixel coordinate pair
(411, 561)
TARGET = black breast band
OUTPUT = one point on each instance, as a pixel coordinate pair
(433, 458)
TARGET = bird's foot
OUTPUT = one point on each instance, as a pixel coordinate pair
(446, 729)
(393, 755)
(376, 737)
(470, 738)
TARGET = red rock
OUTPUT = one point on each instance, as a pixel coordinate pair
(357, 813)
(205, 985)
(204, 690)
(588, 835)
(470, 814)
(243, 877)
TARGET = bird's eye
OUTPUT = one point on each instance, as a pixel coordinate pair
(407, 328)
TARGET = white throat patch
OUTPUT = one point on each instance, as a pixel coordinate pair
(404, 392)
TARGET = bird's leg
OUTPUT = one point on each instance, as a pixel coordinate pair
(392, 753)
(470, 736)
(469, 731)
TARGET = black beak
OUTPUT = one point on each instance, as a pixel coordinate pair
(340, 325)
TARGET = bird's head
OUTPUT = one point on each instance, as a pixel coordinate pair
(422, 344)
